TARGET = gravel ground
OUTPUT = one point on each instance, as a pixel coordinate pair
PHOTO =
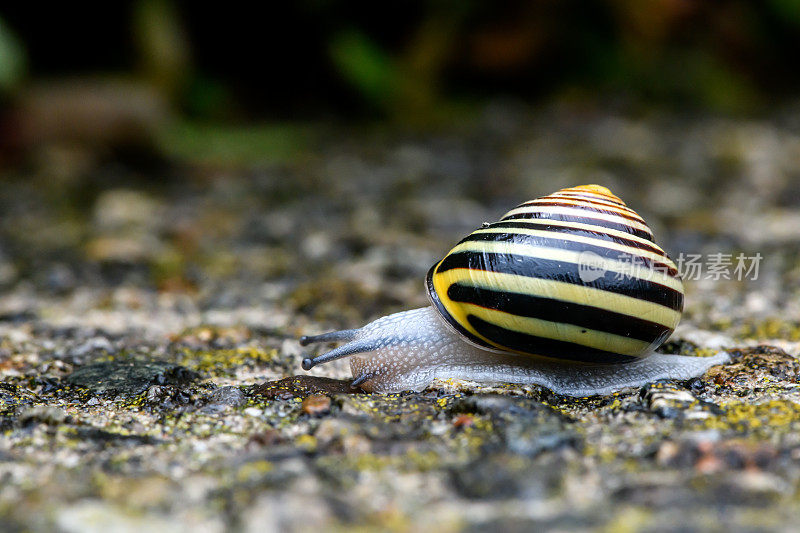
(150, 371)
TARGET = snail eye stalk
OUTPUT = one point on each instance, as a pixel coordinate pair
(351, 348)
(345, 335)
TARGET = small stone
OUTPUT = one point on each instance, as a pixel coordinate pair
(166, 396)
(263, 439)
(708, 464)
(227, 396)
(463, 421)
(155, 394)
(666, 400)
(356, 445)
(755, 482)
(316, 404)
(121, 210)
(667, 452)
(126, 378)
(95, 345)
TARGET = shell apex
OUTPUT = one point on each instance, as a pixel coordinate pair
(596, 189)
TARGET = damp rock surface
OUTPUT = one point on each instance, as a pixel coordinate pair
(127, 378)
(150, 374)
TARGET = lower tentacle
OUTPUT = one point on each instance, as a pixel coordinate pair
(351, 348)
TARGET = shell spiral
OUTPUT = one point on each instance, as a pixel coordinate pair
(575, 275)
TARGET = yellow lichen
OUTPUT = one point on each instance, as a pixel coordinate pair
(306, 442)
(253, 470)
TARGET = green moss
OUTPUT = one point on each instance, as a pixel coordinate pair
(221, 362)
(758, 418)
(770, 328)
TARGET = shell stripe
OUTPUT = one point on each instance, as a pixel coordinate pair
(592, 198)
(592, 203)
(589, 193)
(583, 229)
(525, 343)
(592, 215)
(480, 255)
(578, 216)
(568, 290)
(537, 332)
(480, 331)
(593, 319)
(507, 331)
(605, 249)
(589, 206)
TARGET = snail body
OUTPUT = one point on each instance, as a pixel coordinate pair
(568, 291)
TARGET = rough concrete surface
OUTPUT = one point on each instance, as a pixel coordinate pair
(150, 371)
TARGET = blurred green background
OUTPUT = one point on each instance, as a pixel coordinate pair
(236, 82)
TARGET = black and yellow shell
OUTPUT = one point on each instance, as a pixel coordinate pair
(575, 275)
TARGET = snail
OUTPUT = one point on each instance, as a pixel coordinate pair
(568, 291)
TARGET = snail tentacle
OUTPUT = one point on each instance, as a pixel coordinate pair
(351, 348)
(344, 335)
(394, 330)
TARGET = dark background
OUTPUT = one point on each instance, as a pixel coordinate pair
(412, 60)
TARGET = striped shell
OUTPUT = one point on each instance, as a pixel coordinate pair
(575, 275)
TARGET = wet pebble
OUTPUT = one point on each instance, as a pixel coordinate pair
(115, 378)
(166, 397)
(667, 400)
(225, 397)
(316, 404)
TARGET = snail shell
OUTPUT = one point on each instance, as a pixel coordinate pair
(574, 275)
(568, 291)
